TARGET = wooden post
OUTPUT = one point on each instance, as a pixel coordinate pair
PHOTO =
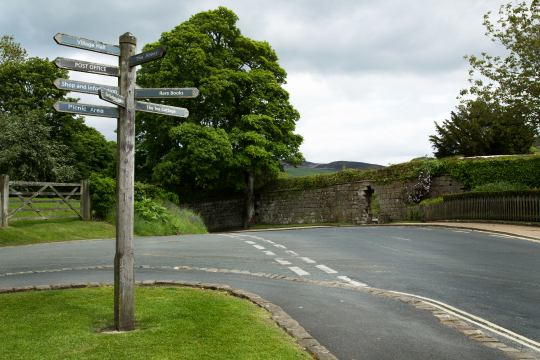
(85, 200)
(124, 262)
(4, 200)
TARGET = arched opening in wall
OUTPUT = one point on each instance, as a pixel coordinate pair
(367, 193)
(375, 207)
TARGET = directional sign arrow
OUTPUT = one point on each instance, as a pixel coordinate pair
(161, 109)
(92, 45)
(112, 97)
(82, 87)
(85, 109)
(161, 93)
(147, 56)
(86, 66)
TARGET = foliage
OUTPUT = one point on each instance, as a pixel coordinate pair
(28, 86)
(500, 186)
(416, 193)
(479, 128)
(153, 218)
(491, 194)
(431, 201)
(28, 154)
(103, 193)
(10, 51)
(92, 152)
(375, 206)
(514, 81)
(151, 211)
(242, 124)
(414, 215)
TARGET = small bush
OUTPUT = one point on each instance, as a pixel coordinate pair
(500, 186)
(431, 201)
(155, 218)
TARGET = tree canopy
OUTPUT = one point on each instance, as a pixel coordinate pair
(27, 87)
(240, 127)
(479, 128)
(27, 153)
(513, 81)
(10, 51)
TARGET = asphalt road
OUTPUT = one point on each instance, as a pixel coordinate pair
(496, 278)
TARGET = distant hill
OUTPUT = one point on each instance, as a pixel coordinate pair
(336, 165)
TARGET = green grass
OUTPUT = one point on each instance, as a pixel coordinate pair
(297, 172)
(26, 232)
(172, 323)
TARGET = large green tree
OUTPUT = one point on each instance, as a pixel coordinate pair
(27, 86)
(241, 126)
(514, 80)
(479, 128)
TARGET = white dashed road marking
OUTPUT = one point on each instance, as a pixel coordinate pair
(269, 253)
(251, 242)
(351, 281)
(291, 252)
(393, 237)
(299, 271)
(283, 262)
(308, 260)
(280, 246)
(258, 247)
(326, 269)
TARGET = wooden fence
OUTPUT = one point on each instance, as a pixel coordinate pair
(28, 199)
(514, 208)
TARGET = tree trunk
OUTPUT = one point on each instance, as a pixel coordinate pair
(249, 210)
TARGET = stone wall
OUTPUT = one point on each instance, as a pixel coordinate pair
(341, 203)
(219, 214)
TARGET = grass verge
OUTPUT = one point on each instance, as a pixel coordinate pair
(26, 232)
(172, 323)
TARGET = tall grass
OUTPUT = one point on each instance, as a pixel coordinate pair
(177, 222)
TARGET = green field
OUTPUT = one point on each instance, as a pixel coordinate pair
(42, 203)
(297, 172)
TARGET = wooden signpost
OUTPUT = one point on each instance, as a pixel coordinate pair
(124, 97)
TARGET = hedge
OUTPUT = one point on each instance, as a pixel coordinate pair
(491, 194)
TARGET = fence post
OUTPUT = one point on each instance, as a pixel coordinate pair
(4, 200)
(85, 200)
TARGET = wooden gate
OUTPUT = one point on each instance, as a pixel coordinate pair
(28, 198)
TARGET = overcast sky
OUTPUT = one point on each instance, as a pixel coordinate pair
(369, 78)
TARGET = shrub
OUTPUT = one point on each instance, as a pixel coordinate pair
(103, 194)
(162, 219)
(416, 193)
(500, 186)
(431, 201)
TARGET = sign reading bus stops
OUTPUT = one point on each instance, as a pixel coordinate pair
(147, 56)
(92, 45)
(85, 109)
(112, 97)
(86, 66)
(82, 87)
(164, 93)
